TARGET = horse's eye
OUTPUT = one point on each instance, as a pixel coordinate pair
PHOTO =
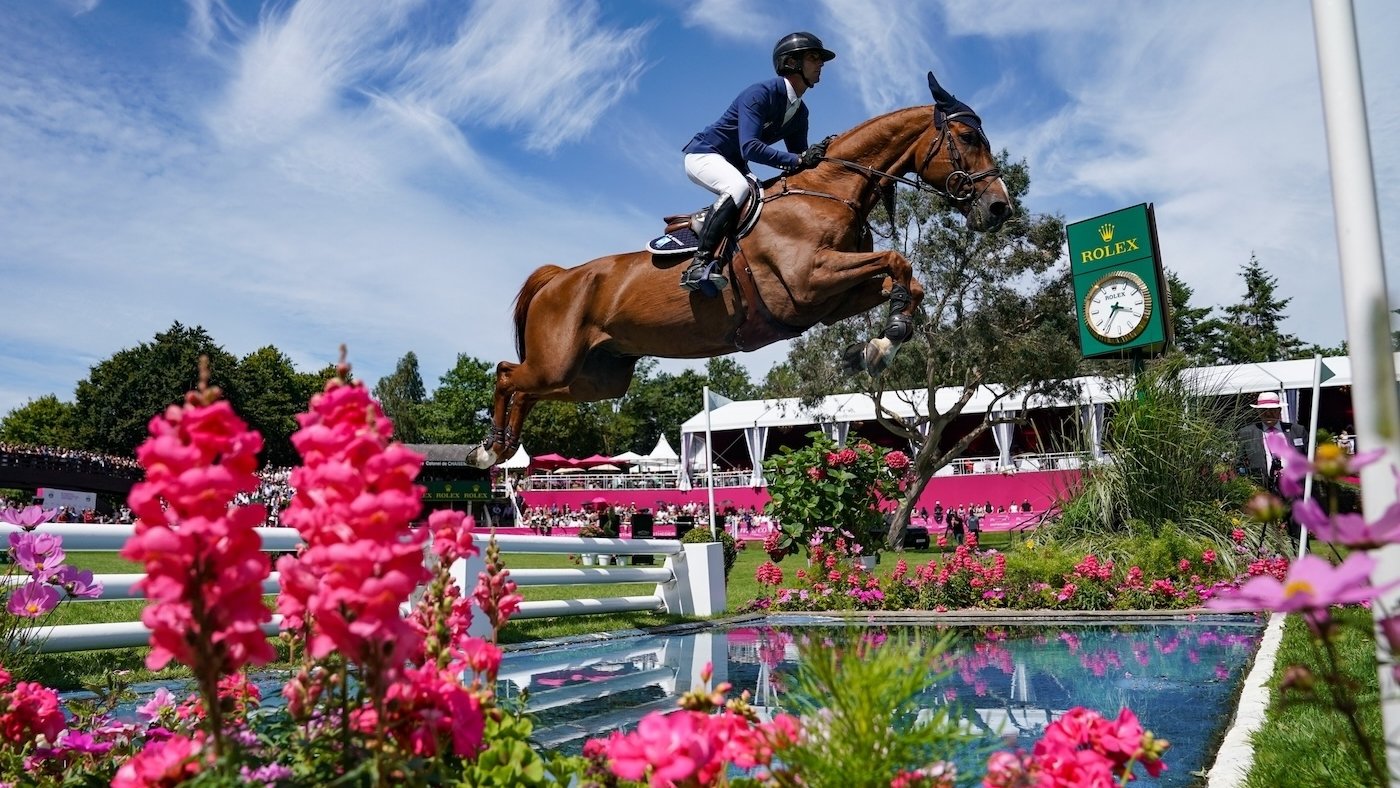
(968, 137)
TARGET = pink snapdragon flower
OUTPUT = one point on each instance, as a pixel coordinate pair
(354, 502)
(31, 710)
(203, 559)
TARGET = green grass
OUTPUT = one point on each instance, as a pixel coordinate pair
(1304, 740)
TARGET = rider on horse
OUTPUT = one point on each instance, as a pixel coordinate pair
(717, 158)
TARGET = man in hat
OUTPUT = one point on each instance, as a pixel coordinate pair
(1256, 459)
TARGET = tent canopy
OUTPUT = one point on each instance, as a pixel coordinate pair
(594, 461)
(519, 460)
(1229, 379)
(663, 454)
(627, 457)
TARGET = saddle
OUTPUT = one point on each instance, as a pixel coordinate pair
(682, 234)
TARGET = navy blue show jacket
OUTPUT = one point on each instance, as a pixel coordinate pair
(751, 124)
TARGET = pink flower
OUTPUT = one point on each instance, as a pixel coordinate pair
(203, 559)
(30, 710)
(1331, 464)
(672, 746)
(32, 600)
(452, 535)
(1311, 587)
(166, 763)
(41, 555)
(354, 502)
(1351, 530)
(1208, 557)
(78, 583)
(816, 474)
(1237, 535)
(896, 460)
(29, 517)
(769, 574)
(161, 700)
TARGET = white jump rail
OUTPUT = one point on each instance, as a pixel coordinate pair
(691, 582)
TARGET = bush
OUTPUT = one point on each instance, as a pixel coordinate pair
(731, 550)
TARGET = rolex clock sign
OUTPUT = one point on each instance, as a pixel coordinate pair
(1120, 290)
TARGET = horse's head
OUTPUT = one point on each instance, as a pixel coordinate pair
(959, 162)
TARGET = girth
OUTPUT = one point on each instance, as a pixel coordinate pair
(757, 327)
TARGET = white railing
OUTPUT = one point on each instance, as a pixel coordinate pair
(691, 582)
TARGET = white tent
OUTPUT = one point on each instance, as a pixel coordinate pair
(627, 457)
(662, 456)
(519, 460)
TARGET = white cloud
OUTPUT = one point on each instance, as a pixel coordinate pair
(881, 47)
(740, 20)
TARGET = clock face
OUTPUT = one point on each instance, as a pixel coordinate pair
(1117, 308)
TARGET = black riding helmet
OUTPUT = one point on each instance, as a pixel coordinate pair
(795, 44)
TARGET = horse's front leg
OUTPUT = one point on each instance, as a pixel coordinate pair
(844, 270)
(494, 446)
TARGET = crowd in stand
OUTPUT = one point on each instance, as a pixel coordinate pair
(76, 460)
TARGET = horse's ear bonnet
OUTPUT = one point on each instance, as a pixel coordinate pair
(945, 104)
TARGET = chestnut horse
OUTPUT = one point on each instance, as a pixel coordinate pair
(810, 259)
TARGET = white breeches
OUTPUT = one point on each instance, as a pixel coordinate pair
(712, 171)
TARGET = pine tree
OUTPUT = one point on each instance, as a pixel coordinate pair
(1251, 329)
(1196, 333)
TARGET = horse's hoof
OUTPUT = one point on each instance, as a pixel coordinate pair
(481, 457)
(853, 359)
(878, 355)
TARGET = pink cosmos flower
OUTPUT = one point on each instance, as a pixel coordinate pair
(32, 600)
(29, 517)
(1312, 586)
(1296, 466)
(78, 583)
(41, 555)
(1351, 530)
(160, 701)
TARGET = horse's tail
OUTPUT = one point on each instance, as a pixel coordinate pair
(533, 285)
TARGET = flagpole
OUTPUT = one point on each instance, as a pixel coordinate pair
(1312, 449)
(1367, 311)
(709, 464)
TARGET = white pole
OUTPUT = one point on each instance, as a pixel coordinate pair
(709, 464)
(1312, 447)
(1364, 297)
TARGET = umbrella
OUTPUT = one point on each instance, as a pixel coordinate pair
(606, 467)
(550, 461)
(599, 501)
(589, 462)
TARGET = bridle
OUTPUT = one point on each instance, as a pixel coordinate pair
(960, 186)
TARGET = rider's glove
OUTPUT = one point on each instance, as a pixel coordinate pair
(812, 156)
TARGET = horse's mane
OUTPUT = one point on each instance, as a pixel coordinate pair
(858, 132)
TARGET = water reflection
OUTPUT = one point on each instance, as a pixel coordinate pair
(1007, 683)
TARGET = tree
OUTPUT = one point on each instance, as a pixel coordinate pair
(402, 394)
(45, 421)
(459, 410)
(1197, 334)
(568, 428)
(658, 405)
(1251, 330)
(998, 312)
(728, 377)
(122, 393)
(268, 393)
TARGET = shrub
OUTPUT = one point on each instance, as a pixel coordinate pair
(731, 550)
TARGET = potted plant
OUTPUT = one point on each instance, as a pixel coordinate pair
(592, 531)
(828, 496)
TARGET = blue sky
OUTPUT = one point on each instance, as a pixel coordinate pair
(385, 174)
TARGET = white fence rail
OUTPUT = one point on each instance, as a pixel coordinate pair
(690, 583)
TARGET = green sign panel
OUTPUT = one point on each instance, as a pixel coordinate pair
(457, 490)
(1120, 290)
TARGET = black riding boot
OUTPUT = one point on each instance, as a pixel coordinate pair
(702, 269)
